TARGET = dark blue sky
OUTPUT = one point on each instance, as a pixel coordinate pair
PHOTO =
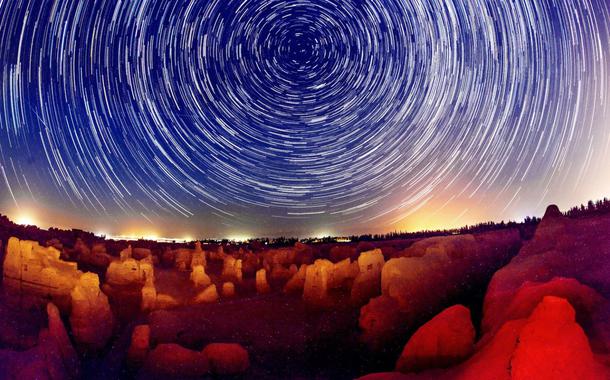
(243, 118)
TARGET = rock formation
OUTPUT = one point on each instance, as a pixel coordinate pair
(140, 253)
(182, 259)
(52, 358)
(174, 361)
(367, 283)
(296, 284)
(96, 257)
(281, 274)
(199, 277)
(549, 344)
(140, 344)
(91, 318)
(231, 269)
(198, 256)
(567, 258)
(342, 273)
(226, 358)
(228, 289)
(316, 287)
(32, 270)
(262, 286)
(209, 295)
(432, 272)
(303, 254)
(130, 284)
(445, 340)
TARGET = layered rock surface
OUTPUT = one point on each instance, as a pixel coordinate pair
(431, 273)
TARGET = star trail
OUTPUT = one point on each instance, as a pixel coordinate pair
(273, 117)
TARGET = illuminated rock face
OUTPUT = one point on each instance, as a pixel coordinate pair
(199, 277)
(232, 269)
(296, 284)
(30, 269)
(282, 256)
(183, 258)
(262, 286)
(567, 258)
(149, 296)
(140, 343)
(91, 318)
(149, 292)
(125, 272)
(198, 256)
(367, 283)
(280, 273)
(553, 345)
(342, 273)
(445, 340)
(130, 284)
(547, 345)
(165, 301)
(97, 256)
(436, 270)
(226, 358)
(209, 295)
(228, 289)
(316, 287)
(588, 303)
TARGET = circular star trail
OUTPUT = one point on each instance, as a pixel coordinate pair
(272, 116)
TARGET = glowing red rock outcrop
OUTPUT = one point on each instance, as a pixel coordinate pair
(566, 257)
(432, 272)
(445, 340)
(547, 345)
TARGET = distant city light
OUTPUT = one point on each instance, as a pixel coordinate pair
(25, 220)
(239, 238)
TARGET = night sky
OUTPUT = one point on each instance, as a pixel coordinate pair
(237, 118)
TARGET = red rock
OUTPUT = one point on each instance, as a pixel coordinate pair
(576, 249)
(380, 320)
(227, 358)
(445, 340)
(174, 361)
(433, 272)
(552, 346)
(342, 252)
(52, 358)
(549, 344)
(140, 342)
(304, 254)
(57, 332)
(585, 300)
